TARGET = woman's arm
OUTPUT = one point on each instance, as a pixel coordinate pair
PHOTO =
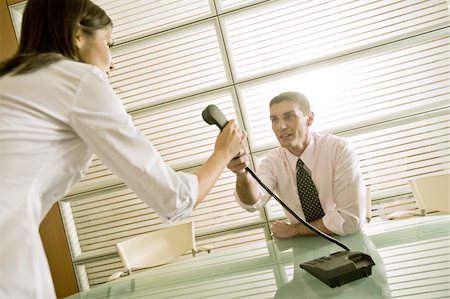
(228, 145)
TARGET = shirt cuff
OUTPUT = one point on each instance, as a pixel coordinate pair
(176, 195)
(184, 206)
(251, 208)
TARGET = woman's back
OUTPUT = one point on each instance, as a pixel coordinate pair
(41, 157)
(40, 154)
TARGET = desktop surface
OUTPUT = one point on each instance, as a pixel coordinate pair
(270, 269)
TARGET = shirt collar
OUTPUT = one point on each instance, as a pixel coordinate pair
(292, 160)
(307, 155)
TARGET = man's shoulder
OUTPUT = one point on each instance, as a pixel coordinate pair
(276, 153)
(330, 140)
(272, 157)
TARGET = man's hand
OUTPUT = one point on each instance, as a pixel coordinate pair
(238, 164)
(283, 230)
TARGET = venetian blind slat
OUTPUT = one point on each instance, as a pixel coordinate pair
(97, 272)
(133, 19)
(224, 5)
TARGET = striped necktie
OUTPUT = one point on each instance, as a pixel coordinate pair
(307, 193)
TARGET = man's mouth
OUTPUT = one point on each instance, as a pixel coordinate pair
(285, 135)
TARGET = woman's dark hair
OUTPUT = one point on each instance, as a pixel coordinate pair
(48, 32)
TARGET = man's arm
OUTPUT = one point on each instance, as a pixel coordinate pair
(284, 230)
(246, 188)
(345, 201)
(349, 193)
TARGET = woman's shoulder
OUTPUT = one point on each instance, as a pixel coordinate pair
(76, 70)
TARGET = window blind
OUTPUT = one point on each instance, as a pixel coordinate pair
(283, 34)
(398, 82)
(134, 19)
(103, 219)
(392, 156)
(168, 66)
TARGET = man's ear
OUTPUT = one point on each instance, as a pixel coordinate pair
(310, 120)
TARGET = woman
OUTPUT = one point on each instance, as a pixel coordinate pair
(56, 110)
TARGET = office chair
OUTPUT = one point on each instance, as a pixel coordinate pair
(432, 193)
(157, 248)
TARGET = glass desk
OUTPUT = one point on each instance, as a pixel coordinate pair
(270, 269)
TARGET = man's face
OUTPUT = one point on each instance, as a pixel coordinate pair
(290, 126)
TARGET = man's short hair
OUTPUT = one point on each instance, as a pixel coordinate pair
(296, 97)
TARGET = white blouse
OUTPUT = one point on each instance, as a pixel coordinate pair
(51, 122)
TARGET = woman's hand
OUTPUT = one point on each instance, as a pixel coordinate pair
(230, 141)
(228, 144)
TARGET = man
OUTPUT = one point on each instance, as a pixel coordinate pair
(328, 160)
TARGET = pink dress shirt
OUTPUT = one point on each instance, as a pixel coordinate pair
(334, 168)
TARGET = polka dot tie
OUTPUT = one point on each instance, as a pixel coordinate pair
(307, 193)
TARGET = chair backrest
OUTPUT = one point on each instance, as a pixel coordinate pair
(157, 248)
(432, 192)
